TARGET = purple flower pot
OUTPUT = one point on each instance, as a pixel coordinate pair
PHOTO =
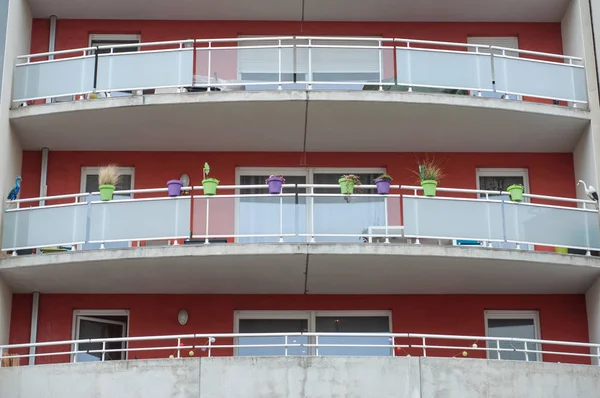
(174, 187)
(383, 186)
(275, 184)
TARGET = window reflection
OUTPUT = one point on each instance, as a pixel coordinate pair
(518, 328)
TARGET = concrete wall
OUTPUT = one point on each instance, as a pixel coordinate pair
(592, 301)
(578, 41)
(5, 308)
(291, 377)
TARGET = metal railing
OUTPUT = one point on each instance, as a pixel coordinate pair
(306, 344)
(299, 63)
(301, 213)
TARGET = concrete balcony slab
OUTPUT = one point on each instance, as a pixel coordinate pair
(324, 121)
(302, 268)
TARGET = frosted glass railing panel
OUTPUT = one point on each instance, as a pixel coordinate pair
(44, 226)
(540, 79)
(552, 226)
(271, 215)
(145, 69)
(452, 69)
(347, 68)
(336, 216)
(47, 79)
(139, 219)
(448, 218)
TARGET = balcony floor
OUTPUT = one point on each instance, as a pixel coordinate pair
(302, 268)
(317, 121)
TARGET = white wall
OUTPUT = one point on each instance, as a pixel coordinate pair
(592, 301)
(578, 41)
(18, 37)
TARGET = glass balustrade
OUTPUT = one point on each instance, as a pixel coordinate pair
(291, 218)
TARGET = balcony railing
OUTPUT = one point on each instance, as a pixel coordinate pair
(303, 344)
(302, 213)
(299, 63)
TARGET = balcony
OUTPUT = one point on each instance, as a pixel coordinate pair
(301, 363)
(319, 90)
(305, 240)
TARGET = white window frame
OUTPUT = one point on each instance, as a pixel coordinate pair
(85, 171)
(504, 172)
(77, 314)
(513, 314)
(310, 316)
(117, 38)
(308, 172)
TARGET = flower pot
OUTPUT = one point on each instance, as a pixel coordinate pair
(516, 193)
(210, 186)
(275, 184)
(563, 250)
(346, 186)
(429, 187)
(106, 192)
(383, 186)
(174, 187)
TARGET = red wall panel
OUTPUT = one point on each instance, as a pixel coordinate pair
(562, 317)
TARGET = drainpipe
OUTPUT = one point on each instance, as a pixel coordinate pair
(44, 175)
(51, 42)
(34, 322)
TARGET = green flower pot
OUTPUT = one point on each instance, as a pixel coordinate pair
(210, 186)
(346, 186)
(516, 193)
(429, 187)
(106, 192)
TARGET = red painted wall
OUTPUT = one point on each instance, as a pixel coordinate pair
(562, 317)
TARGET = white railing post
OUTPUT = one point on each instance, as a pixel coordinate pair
(380, 66)
(385, 216)
(597, 354)
(424, 347)
(210, 341)
(279, 69)
(286, 345)
(317, 345)
(103, 350)
(309, 87)
(526, 353)
(207, 215)
(1, 355)
(312, 214)
(209, 62)
(76, 351)
(178, 348)
(280, 219)
(498, 349)
(409, 68)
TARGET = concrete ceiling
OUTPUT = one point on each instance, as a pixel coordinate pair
(299, 269)
(308, 10)
(318, 121)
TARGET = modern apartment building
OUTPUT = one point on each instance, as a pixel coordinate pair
(329, 292)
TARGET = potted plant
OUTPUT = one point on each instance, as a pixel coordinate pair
(430, 173)
(108, 179)
(209, 184)
(383, 183)
(275, 183)
(348, 182)
(174, 187)
(516, 192)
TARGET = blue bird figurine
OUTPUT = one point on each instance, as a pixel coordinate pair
(12, 195)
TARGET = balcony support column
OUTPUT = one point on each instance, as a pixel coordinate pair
(44, 175)
(592, 301)
(35, 305)
(51, 42)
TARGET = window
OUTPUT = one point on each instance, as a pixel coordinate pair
(319, 321)
(255, 215)
(517, 324)
(96, 324)
(110, 40)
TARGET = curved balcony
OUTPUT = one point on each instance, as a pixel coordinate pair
(305, 242)
(285, 81)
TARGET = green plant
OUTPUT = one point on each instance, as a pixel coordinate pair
(384, 177)
(429, 170)
(353, 178)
